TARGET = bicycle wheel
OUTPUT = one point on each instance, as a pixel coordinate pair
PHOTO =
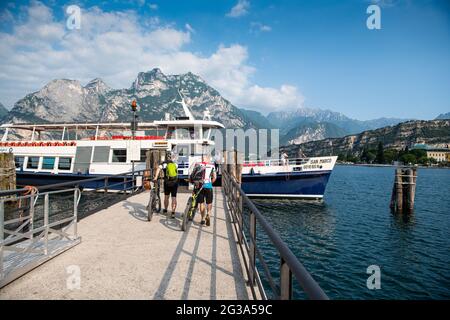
(157, 203)
(186, 214)
(150, 206)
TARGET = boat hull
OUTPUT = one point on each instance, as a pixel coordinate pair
(302, 185)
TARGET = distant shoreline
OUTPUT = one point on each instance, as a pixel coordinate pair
(384, 165)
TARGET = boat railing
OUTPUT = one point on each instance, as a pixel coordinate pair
(275, 162)
(249, 225)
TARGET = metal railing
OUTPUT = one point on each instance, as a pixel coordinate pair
(29, 242)
(128, 185)
(290, 266)
(21, 233)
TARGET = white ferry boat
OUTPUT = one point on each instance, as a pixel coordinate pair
(56, 153)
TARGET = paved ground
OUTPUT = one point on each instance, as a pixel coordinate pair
(123, 256)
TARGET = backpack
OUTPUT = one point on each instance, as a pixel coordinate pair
(171, 171)
(197, 173)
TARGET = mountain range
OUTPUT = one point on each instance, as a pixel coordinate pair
(64, 100)
(443, 116)
(435, 133)
(156, 94)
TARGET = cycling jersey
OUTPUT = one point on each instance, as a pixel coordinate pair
(209, 171)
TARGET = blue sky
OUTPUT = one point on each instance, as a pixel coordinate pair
(263, 55)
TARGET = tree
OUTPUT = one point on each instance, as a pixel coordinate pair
(390, 155)
(371, 156)
(342, 157)
(408, 158)
(423, 160)
(380, 153)
(365, 154)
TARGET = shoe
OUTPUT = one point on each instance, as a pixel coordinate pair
(173, 215)
(165, 211)
(208, 221)
(203, 222)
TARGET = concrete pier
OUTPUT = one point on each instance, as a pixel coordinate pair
(123, 256)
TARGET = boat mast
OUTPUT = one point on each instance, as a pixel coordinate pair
(186, 109)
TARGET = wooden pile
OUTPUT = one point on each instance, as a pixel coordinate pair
(404, 190)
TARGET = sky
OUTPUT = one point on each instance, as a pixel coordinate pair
(261, 55)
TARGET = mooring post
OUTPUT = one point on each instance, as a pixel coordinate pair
(404, 190)
(399, 190)
(411, 190)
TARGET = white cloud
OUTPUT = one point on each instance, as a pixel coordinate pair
(240, 9)
(115, 46)
(259, 27)
(189, 28)
(153, 6)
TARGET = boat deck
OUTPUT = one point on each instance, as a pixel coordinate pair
(123, 256)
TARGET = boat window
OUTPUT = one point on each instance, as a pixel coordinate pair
(144, 155)
(48, 163)
(119, 155)
(184, 134)
(19, 162)
(170, 133)
(64, 163)
(182, 150)
(33, 163)
(101, 154)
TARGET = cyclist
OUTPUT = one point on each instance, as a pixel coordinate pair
(170, 170)
(209, 176)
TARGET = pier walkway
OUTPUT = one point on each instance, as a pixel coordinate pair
(123, 256)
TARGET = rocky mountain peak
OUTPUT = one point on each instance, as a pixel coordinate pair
(150, 81)
(97, 85)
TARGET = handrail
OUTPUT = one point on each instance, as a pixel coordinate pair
(27, 231)
(137, 173)
(289, 265)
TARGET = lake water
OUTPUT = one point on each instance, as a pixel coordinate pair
(354, 228)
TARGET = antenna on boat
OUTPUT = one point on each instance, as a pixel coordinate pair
(186, 109)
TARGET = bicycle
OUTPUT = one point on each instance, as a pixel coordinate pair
(154, 203)
(191, 208)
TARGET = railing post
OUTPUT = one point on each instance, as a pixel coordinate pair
(285, 281)
(252, 251)
(75, 213)
(2, 233)
(46, 223)
(239, 216)
(32, 214)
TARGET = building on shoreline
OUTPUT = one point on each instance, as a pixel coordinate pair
(439, 154)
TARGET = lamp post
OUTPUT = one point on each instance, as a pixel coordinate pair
(133, 134)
